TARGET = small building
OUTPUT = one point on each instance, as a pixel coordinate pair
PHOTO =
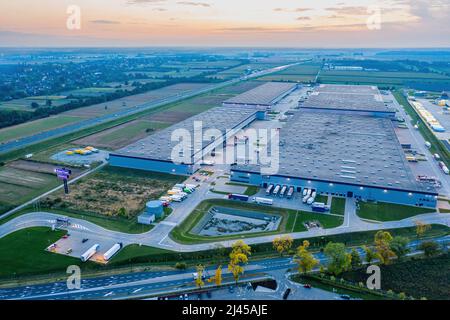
(155, 208)
(146, 218)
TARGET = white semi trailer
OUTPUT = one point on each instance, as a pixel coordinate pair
(89, 252)
(112, 251)
(263, 200)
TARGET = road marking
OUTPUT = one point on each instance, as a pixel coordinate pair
(172, 224)
(108, 294)
(137, 290)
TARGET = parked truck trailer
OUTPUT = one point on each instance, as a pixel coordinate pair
(89, 252)
(259, 200)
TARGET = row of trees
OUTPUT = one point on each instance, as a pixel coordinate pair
(384, 249)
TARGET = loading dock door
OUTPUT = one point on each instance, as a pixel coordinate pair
(350, 194)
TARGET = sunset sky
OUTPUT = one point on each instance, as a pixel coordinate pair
(277, 23)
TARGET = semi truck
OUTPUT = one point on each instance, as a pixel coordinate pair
(259, 200)
(277, 189)
(269, 189)
(112, 251)
(240, 197)
(283, 191)
(443, 167)
(89, 252)
(319, 207)
(290, 192)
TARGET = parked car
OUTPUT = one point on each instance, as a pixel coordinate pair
(307, 286)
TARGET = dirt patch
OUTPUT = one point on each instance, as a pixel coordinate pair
(112, 192)
(39, 167)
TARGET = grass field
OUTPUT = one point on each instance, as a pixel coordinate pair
(25, 129)
(292, 221)
(23, 253)
(383, 211)
(110, 189)
(338, 206)
(416, 277)
(19, 185)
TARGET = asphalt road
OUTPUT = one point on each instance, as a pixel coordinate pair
(141, 284)
(26, 141)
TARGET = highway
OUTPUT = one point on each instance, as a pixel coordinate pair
(29, 140)
(142, 284)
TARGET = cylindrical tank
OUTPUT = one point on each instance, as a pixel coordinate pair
(155, 207)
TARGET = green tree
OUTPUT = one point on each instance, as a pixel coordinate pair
(369, 254)
(304, 259)
(421, 228)
(339, 259)
(356, 259)
(384, 252)
(399, 245)
(429, 248)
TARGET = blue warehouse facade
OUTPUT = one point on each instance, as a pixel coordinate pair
(366, 193)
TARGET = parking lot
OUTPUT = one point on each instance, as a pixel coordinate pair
(440, 115)
(76, 242)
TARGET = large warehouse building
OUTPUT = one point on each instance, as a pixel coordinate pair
(265, 96)
(155, 152)
(347, 99)
(349, 154)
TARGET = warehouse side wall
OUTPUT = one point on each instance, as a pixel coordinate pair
(150, 165)
(339, 189)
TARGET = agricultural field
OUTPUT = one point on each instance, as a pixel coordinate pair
(29, 128)
(306, 72)
(187, 108)
(89, 92)
(93, 111)
(241, 70)
(22, 180)
(25, 103)
(122, 135)
(130, 101)
(415, 80)
(110, 189)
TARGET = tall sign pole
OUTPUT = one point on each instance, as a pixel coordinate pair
(64, 175)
